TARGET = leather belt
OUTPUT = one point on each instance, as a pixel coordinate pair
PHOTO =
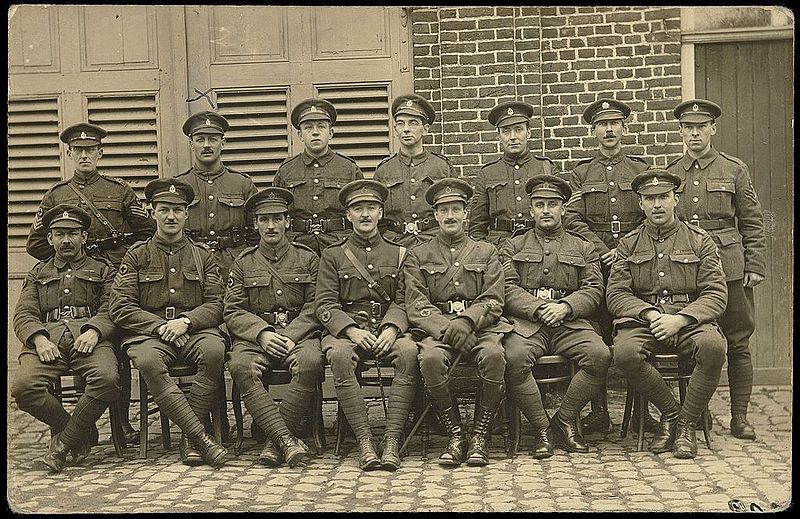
(281, 318)
(453, 307)
(172, 312)
(504, 224)
(414, 227)
(74, 312)
(319, 226)
(112, 242)
(219, 242)
(713, 225)
(615, 226)
(669, 298)
(548, 293)
(373, 308)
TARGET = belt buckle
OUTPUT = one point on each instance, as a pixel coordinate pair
(456, 307)
(281, 318)
(315, 227)
(375, 308)
(695, 222)
(516, 226)
(55, 314)
(615, 226)
(410, 227)
(544, 293)
(169, 313)
(70, 311)
(665, 299)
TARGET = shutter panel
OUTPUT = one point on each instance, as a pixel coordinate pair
(362, 125)
(34, 161)
(258, 139)
(130, 151)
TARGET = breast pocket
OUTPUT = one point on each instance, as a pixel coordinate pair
(388, 280)
(300, 190)
(628, 202)
(153, 291)
(595, 197)
(48, 289)
(192, 291)
(396, 193)
(684, 272)
(567, 276)
(231, 208)
(296, 285)
(719, 197)
(642, 271)
(259, 292)
(87, 292)
(433, 274)
(330, 195)
(529, 268)
(471, 282)
(353, 287)
(112, 210)
(498, 201)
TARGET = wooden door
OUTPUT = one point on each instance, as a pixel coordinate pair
(754, 84)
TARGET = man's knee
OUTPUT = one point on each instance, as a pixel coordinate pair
(212, 355)
(599, 357)
(627, 354)
(406, 356)
(27, 392)
(308, 365)
(432, 363)
(342, 359)
(710, 351)
(242, 367)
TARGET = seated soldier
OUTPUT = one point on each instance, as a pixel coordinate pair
(269, 311)
(553, 286)
(365, 317)
(454, 294)
(167, 297)
(666, 289)
(62, 321)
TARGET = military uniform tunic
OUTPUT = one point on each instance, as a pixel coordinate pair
(500, 204)
(315, 184)
(61, 301)
(113, 198)
(406, 210)
(217, 212)
(477, 284)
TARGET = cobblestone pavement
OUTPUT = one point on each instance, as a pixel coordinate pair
(612, 477)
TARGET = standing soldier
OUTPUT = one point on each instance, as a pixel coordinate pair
(168, 298)
(216, 216)
(315, 177)
(410, 172)
(118, 220)
(62, 320)
(365, 317)
(719, 197)
(500, 204)
(269, 311)
(666, 289)
(454, 294)
(602, 209)
(553, 287)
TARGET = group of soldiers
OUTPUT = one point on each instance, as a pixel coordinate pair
(413, 268)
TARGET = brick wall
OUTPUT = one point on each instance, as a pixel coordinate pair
(559, 59)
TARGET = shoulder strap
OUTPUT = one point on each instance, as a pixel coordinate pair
(93, 209)
(449, 273)
(273, 272)
(361, 270)
(198, 263)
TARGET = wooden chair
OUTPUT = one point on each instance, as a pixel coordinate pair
(672, 368)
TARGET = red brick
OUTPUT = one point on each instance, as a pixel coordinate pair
(643, 72)
(603, 29)
(566, 55)
(624, 16)
(447, 59)
(479, 35)
(661, 14)
(422, 14)
(576, 42)
(590, 19)
(477, 59)
(567, 88)
(600, 41)
(585, 30)
(485, 46)
(605, 74)
(634, 61)
(586, 53)
(604, 52)
(554, 21)
(458, 25)
(594, 64)
(586, 75)
(451, 71)
(623, 51)
(504, 33)
(475, 12)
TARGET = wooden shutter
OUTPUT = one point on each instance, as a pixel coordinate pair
(258, 139)
(34, 161)
(362, 125)
(130, 151)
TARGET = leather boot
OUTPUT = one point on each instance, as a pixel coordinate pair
(598, 420)
(292, 449)
(664, 439)
(566, 435)
(368, 459)
(390, 458)
(685, 440)
(213, 453)
(651, 425)
(81, 451)
(542, 444)
(741, 428)
(485, 409)
(191, 456)
(270, 455)
(56, 457)
(456, 448)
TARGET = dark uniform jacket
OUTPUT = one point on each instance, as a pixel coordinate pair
(679, 259)
(556, 260)
(342, 291)
(477, 280)
(315, 183)
(602, 195)
(271, 280)
(52, 285)
(218, 205)
(113, 198)
(714, 189)
(156, 276)
(500, 191)
(408, 178)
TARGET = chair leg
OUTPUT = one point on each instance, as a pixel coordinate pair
(317, 424)
(117, 435)
(166, 441)
(143, 417)
(219, 409)
(340, 425)
(626, 416)
(426, 429)
(515, 428)
(236, 402)
(642, 405)
(706, 418)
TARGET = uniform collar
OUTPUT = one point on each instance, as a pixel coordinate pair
(555, 233)
(614, 159)
(687, 161)
(522, 159)
(85, 178)
(324, 159)
(274, 253)
(206, 175)
(416, 159)
(664, 231)
(451, 241)
(363, 243)
(169, 248)
(74, 265)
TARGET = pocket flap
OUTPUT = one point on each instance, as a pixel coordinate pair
(332, 184)
(490, 184)
(108, 205)
(93, 277)
(528, 257)
(474, 267)
(433, 268)
(191, 276)
(294, 183)
(641, 257)
(149, 277)
(349, 273)
(47, 280)
(727, 237)
(720, 186)
(684, 257)
(575, 261)
(298, 277)
(595, 188)
(391, 182)
(231, 201)
(625, 186)
(261, 280)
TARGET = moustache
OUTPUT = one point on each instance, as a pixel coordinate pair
(365, 220)
(450, 220)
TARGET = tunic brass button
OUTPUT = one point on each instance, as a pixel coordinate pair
(171, 290)
(172, 269)
(212, 233)
(345, 276)
(314, 215)
(67, 276)
(609, 168)
(211, 197)
(519, 198)
(211, 215)
(456, 283)
(611, 183)
(516, 182)
(66, 291)
(614, 217)
(547, 253)
(661, 274)
(452, 249)
(613, 199)
(457, 264)
(254, 283)
(413, 215)
(210, 181)
(519, 215)
(695, 199)
(413, 197)
(547, 240)
(315, 197)
(316, 181)
(370, 266)
(696, 182)
(665, 292)
(696, 165)
(368, 249)
(695, 216)
(660, 255)
(413, 179)
(516, 166)
(545, 271)
(279, 291)
(316, 165)
(615, 235)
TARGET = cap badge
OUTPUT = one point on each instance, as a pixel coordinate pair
(409, 103)
(65, 215)
(83, 135)
(448, 189)
(172, 188)
(654, 181)
(605, 106)
(312, 109)
(271, 195)
(510, 111)
(695, 108)
(545, 185)
(208, 122)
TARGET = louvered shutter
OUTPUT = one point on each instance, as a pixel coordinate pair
(362, 125)
(130, 151)
(34, 161)
(258, 139)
